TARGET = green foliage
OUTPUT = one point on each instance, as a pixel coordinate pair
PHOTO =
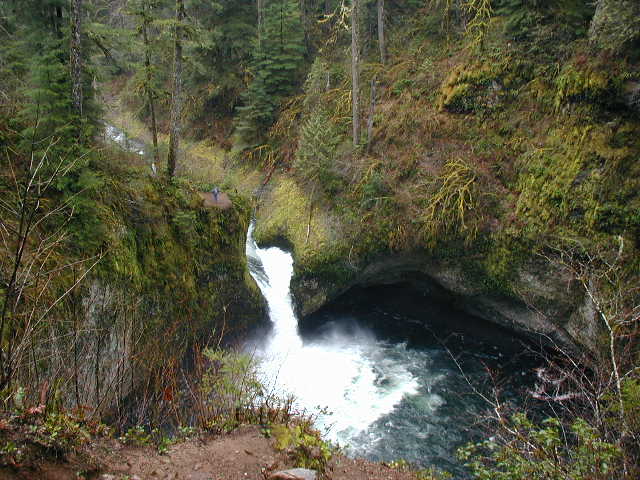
(137, 436)
(580, 175)
(468, 88)
(526, 19)
(221, 53)
(531, 452)
(276, 65)
(304, 445)
(229, 385)
(454, 197)
(589, 85)
(423, 474)
(317, 146)
(480, 12)
(631, 403)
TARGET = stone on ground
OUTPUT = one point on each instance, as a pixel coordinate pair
(294, 474)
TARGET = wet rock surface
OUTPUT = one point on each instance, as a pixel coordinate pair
(548, 304)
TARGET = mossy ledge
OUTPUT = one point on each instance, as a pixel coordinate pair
(174, 278)
(539, 300)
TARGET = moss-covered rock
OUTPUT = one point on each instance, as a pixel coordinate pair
(172, 278)
(482, 167)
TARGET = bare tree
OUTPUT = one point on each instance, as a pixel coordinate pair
(593, 386)
(616, 306)
(30, 253)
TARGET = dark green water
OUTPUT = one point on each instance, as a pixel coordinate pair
(453, 358)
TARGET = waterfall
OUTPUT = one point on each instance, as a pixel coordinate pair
(350, 374)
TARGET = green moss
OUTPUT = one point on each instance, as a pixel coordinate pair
(181, 265)
(587, 84)
(291, 213)
(546, 144)
(583, 180)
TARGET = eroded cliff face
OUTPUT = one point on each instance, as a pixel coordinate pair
(175, 280)
(479, 166)
(546, 303)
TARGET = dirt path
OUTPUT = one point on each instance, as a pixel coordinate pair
(244, 454)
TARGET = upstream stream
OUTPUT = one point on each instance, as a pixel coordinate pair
(390, 388)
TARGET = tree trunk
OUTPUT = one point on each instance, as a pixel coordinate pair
(260, 8)
(148, 87)
(76, 56)
(176, 95)
(372, 110)
(355, 71)
(305, 22)
(381, 43)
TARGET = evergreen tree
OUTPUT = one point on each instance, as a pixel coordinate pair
(277, 64)
(41, 50)
(144, 11)
(176, 91)
(525, 16)
(44, 119)
(220, 55)
(319, 140)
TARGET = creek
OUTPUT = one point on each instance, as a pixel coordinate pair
(390, 375)
(128, 144)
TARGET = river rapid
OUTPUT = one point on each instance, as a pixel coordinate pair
(384, 386)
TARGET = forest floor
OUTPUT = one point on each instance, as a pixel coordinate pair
(203, 162)
(244, 454)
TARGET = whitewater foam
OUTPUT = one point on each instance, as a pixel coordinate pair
(349, 375)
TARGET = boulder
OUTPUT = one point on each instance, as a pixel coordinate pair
(294, 474)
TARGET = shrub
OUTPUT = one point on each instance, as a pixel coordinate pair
(304, 445)
(523, 450)
(229, 391)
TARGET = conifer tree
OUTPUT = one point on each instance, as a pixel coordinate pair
(144, 11)
(76, 55)
(220, 57)
(277, 63)
(176, 91)
(44, 53)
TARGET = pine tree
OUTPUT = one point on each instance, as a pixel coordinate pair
(143, 9)
(176, 92)
(221, 55)
(319, 139)
(51, 84)
(276, 65)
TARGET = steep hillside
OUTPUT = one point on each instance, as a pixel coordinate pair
(495, 156)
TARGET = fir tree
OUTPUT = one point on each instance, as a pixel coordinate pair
(277, 63)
